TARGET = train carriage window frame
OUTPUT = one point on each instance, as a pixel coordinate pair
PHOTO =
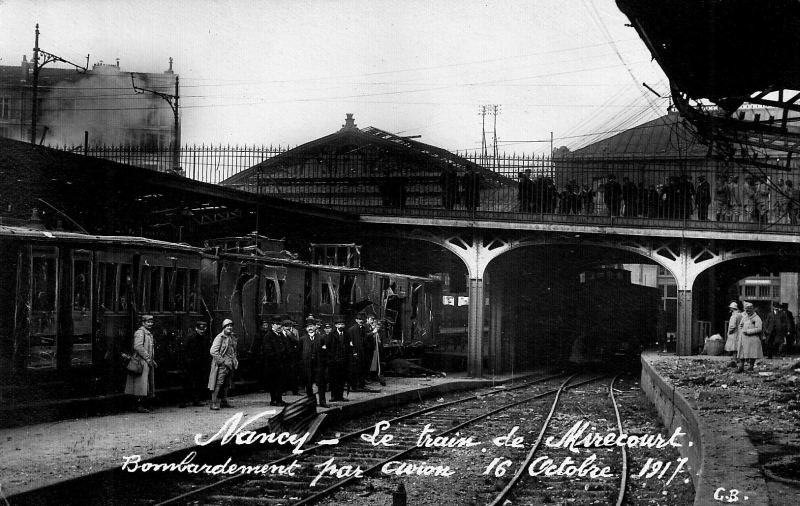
(151, 280)
(193, 291)
(43, 345)
(82, 314)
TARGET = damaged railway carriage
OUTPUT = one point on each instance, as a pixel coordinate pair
(70, 302)
(248, 287)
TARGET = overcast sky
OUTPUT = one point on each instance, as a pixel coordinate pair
(286, 72)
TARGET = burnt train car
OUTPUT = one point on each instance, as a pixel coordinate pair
(618, 318)
(70, 302)
(250, 282)
(68, 306)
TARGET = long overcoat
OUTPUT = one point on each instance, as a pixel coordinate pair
(142, 384)
(223, 354)
(314, 357)
(750, 337)
(732, 342)
(275, 359)
(358, 336)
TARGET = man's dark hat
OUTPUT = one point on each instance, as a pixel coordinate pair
(338, 319)
(287, 323)
(276, 319)
(311, 321)
(361, 316)
(202, 324)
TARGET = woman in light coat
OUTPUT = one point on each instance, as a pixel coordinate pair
(143, 385)
(749, 347)
(223, 362)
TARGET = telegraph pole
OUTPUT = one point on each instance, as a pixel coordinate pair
(484, 109)
(496, 111)
(172, 100)
(47, 58)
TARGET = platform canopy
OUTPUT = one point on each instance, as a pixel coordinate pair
(722, 50)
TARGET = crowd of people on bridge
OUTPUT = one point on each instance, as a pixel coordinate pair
(327, 355)
(747, 198)
(755, 199)
(750, 336)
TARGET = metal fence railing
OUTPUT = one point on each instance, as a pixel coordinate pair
(651, 191)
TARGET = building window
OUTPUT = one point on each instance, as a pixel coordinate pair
(5, 107)
(764, 292)
(749, 291)
(776, 292)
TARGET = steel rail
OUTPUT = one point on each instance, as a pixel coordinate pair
(624, 478)
(319, 495)
(501, 496)
(518, 474)
(308, 451)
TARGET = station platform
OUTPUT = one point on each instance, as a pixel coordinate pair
(745, 426)
(43, 454)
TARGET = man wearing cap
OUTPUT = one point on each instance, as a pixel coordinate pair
(357, 336)
(339, 353)
(143, 384)
(732, 341)
(195, 354)
(273, 350)
(313, 349)
(223, 362)
(750, 328)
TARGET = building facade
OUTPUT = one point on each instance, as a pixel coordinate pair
(100, 103)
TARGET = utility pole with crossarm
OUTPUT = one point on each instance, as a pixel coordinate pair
(46, 58)
(172, 100)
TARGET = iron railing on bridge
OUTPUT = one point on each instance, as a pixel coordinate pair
(591, 190)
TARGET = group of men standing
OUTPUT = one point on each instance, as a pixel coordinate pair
(750, 338)
(326, 355)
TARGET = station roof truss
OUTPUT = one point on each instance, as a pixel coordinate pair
(734, 71)
(102, 197)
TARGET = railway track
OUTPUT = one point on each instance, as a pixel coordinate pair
(474, 449)
(580, 482)
(358, 448)
(414, 437)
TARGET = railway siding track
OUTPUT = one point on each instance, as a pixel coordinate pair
(367, 449)
(460, 451)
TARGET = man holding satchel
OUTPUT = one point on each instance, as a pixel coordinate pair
(142, 384)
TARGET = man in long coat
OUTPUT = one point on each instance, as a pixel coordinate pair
(339, 353)
(357, 334)
(274, 355)
(223, 362)
(776, 327)
(143, 385)
(195, 356)
(750, 328)
(313, 351)
(292, 339)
